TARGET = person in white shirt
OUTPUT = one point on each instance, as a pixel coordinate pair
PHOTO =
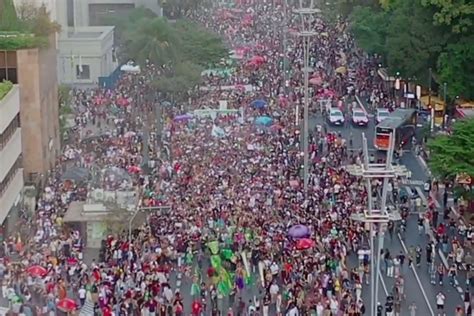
(82, 295)
(274, 289)
(293, 311)
(440, 298)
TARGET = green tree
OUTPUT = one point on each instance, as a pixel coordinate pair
(185, 77)
(198, 45)
(413, 43)
(154, 40)
(8, 19)
(458, 14)
(453, 154)
(369, 26)
(456, 68)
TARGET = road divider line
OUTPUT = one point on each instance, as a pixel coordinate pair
(361, 105)
(417, 277)
(446, 263)
(383, 284)
(422, 196)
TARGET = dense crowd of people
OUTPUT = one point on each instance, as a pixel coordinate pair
(239, 236)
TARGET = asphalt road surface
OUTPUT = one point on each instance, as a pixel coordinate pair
(418, 287)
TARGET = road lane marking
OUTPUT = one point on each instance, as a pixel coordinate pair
(446, 264)
(417, 277)
(383, 283)
(422, 196)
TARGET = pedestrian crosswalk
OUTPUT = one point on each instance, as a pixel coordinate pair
(87, 309)
(413, 182)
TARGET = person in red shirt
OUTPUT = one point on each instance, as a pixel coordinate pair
(196, 308)
(107, 311)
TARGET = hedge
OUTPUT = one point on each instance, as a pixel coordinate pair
(5, 87)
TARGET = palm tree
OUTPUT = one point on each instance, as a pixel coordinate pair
(153, 39)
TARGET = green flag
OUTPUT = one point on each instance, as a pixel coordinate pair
(214, 247)
(216, 262)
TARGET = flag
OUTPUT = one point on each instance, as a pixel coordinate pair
(80, 64)
(213, 247)
(225, 282)
(195, 290)
(216, 262)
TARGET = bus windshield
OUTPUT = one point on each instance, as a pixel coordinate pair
(400, 123)
(382, 137)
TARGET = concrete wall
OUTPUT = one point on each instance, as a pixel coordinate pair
(9, 107)
(82, 7)
(7, 200)
(37, 76)
(10, 153)
(97, 53)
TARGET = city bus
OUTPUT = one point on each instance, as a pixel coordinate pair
(401, 123)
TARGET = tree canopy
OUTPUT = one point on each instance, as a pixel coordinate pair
(30, 29)
(415, 35)
(451, 155)
(143, 36)
(185, 47)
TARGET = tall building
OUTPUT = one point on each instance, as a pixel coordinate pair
(11, 175)
(95, 12)
(34, 70)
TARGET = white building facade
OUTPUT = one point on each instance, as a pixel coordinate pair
(86, 54)
(11, 172)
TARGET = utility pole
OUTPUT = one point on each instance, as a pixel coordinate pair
(285, 47)
(445, 91)
(140, 209)
(306, 32)
(377, 219)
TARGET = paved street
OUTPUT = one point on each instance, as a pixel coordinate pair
(417, 283)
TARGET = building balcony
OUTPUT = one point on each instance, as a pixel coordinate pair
(10, 195)
(10, 153)
(9, 107)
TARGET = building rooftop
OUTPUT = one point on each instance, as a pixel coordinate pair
(84, 35)
(5, 87)
(87, 33)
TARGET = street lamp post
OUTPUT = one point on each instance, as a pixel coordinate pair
(445, 91)
(285, 48)
(134, 214)
(306, 14)
(379, 217)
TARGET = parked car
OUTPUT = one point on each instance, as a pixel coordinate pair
(335, 117)
(359, 118)
(381, 115)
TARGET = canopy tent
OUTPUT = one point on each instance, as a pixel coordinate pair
(75, 174)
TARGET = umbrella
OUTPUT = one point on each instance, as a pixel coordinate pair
(305, 243)
(166, 103)
(37, 271)
(276, 127)
(264, 120)
(341, 70)
(67, 305)
(257, 60)
(72, 261)
(129, 134)
(259, 104)
(184, 117)
(75, 174)
(316, 81)
(299, 231)
(294, 184)
(134, 169)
